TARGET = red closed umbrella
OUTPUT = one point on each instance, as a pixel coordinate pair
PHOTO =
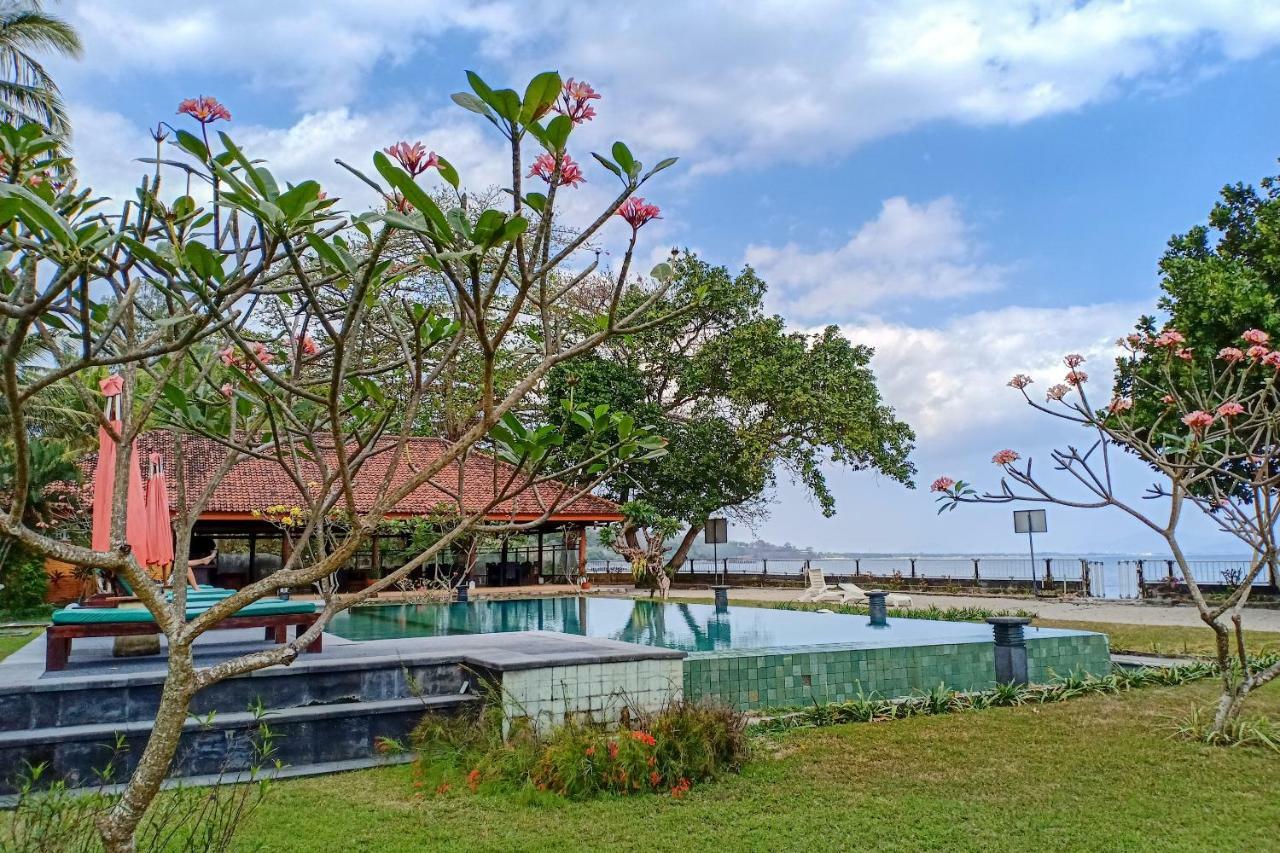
(159, 536)
(135, 527)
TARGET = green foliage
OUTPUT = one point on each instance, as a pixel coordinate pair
(1217, 280)
(739, 397)
(1258, 732)
(940, 700)
(24, 581)
(28, 94)
(664, 752)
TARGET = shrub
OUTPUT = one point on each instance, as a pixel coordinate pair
(24, 582)
(667, 751)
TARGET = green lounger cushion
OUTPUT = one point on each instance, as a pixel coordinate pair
(112, 615)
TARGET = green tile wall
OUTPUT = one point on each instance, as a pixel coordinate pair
(803, 675)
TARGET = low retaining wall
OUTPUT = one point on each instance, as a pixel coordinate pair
(548, 695)
(802, 675)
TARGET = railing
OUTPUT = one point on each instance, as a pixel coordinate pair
(1097, 578)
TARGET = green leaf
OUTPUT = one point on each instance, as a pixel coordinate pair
(468, 101)
(203, 261)
(558, 130)
(662, 272)
(294, 202)
(326, 252)
(537, 201)
(415, 194)
(662, 164)
(480, 87)
(506, 103)
(192, 144)
(608, 164)
(515, 226)
(622, 156)
(540, 94)
(447, 172)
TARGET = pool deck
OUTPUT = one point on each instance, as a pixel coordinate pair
(92, 659)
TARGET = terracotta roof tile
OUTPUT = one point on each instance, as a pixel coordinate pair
(256, 484)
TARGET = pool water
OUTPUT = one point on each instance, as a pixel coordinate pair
(688, 627)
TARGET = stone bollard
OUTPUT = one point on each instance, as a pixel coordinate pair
(722, 596)
(461, 593)
(1011, 648)
(876, 603)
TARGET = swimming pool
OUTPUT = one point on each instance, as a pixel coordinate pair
(754, 657)
(687, 627)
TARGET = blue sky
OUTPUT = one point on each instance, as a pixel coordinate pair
(975, 188)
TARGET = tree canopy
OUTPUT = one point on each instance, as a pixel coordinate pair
(739, 397)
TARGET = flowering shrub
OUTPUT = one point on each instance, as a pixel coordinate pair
(664, 753)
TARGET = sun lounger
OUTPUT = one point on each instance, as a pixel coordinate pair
(817, 588)
(854, 594)
(273, 614)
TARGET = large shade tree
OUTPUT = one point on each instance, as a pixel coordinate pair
(741, 399)
(179, 295)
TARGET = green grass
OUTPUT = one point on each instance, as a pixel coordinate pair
(1167, 639)
(1096, 773)
(10, 643)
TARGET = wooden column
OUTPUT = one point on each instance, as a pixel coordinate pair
(582, 553)
(253, 555)
(375, 556)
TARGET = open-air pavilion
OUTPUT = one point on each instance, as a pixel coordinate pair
(251, 540)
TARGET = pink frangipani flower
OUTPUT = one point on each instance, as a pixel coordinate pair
(1121, 404)
(228, 390)
(1198, 420)
(1006, 457)
(1056, 392)
(413, 158)
(1255, 336)
(1077, 378)
(1272, 359)
(1020, 381)
(1230, 409)
(942, 484)
(574, 101)
(1231, 354)
(1186, 354)
(1170, 338)
(204, 109)
(308, 345)
(638, 212)
(1257, 352)
(1074, 360)
(1168, 400)
(545, 167)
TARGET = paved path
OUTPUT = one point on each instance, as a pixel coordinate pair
(1083, 610)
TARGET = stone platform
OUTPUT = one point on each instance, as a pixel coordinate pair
(335, 709)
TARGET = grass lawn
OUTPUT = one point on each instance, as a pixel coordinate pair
(1168, 639)
(1090, 774)
(10, 643)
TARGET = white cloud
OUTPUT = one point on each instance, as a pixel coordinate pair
(908, 250)
(729, 83)
(949, 381)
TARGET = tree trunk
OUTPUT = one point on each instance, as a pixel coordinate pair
(119, 825)
(682, 550)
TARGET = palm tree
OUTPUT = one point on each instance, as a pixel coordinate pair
(28, 94)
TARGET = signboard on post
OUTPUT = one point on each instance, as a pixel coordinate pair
(1029, 521)
(716, 533)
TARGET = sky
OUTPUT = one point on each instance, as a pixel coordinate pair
(974, 188)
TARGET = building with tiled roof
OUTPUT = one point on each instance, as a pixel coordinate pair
(240, 499)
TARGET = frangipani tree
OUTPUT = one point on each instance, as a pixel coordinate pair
(1215, 447)
(246, 319)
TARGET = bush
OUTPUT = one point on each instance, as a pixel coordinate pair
(667, 752)
(24, 580)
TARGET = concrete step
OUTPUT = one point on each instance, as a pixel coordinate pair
(303, 737)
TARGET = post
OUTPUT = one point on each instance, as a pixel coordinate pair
(1035, 581)
(375, 555)
(976, 578)
(878, 611)
(1141, 582)
(540, 553)
(1011, 648)
(1085, 580)
(1048, 571)
(253, 556)
(913, 568)
(1169, 570)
